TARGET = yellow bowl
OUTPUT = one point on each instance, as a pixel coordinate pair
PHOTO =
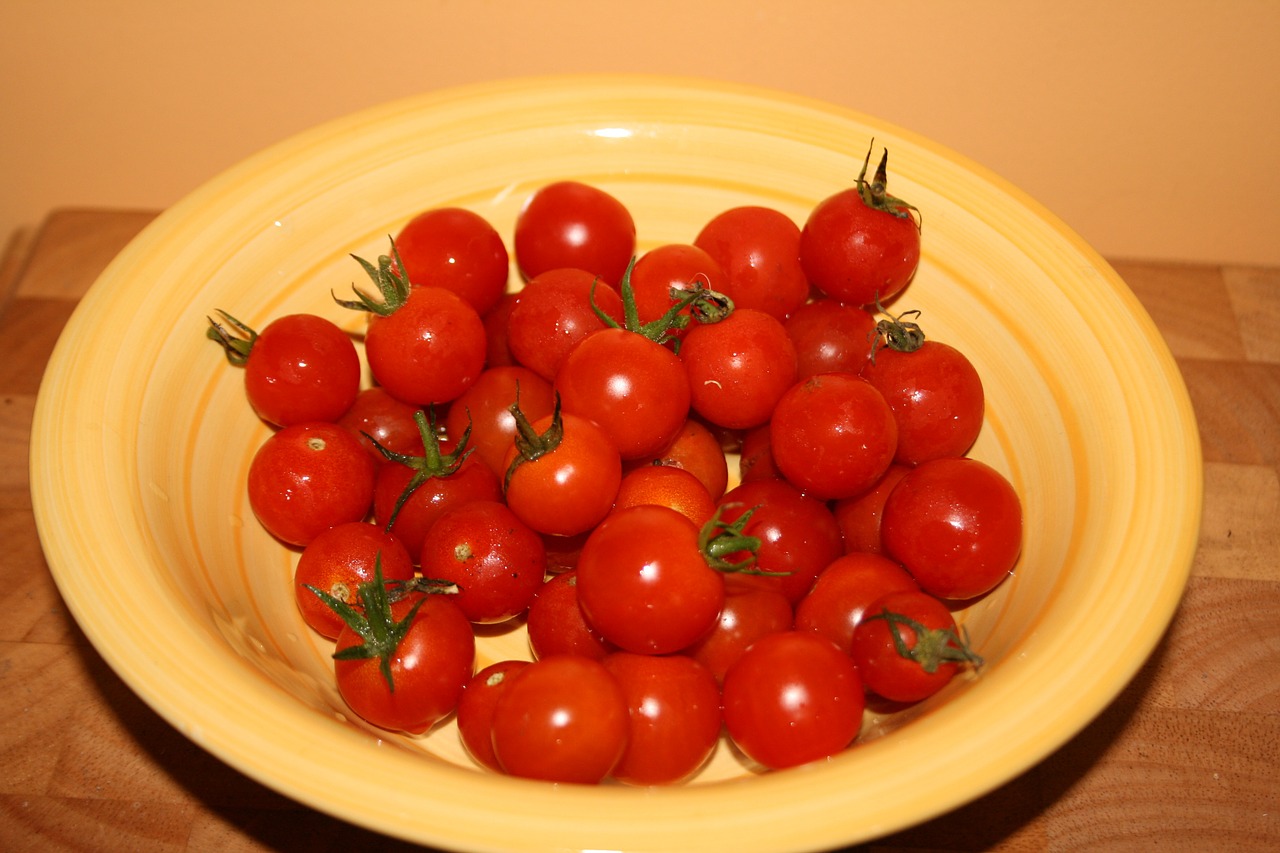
(142, 439)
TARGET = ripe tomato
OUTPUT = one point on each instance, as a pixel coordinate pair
(666, 485)
(956, 524)
(459, 250)
(755, 457)
(634, 388)
(562, 718)
(306, 478)
(380, 418)
(644, 583)
(758, 249)
(485, 408)
(668, 269)
(738, 368)
(673, 705)
(859, 517)
(750, 611)
(830, 337)
(300, 368)
(833, 435)
(792, 698)
(425, 668)
(572, 224)
(497, 322)
(429, 350)
(476, 706)
(337, 561)
(843, 592)
(907, 646)
(553, 313)
(556, 625)
(697, 450)
(861, 245)
(496, 560)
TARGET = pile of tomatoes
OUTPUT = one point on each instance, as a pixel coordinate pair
(558, 456)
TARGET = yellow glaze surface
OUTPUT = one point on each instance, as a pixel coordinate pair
(188, 599)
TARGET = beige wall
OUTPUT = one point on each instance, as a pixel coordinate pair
(1153, 128)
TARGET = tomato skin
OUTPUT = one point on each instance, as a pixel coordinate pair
(486, 408)
(644, 584)
(301, 368)
(635, 389)
(833, 435)
(751, 610)
(430, 668)
(857, 254)
(553, 314)
(306, 478)
(556, 625)
(758, 249)
(860, 516)
(792, 698)
(562, 718)
(496, 560)
(497, 323)
(429, 350)
(389, 422)
(337, 561)
(673, 266)
(843, 592)
(755, 457)
(738, 368)
(673, 705)
(476, 706)
(570, 489)
(830, 337)
(936, 396)
(572, 224)
(884, 671)
(697, 450)
(666, 485)
(457, 249)
(956, 525)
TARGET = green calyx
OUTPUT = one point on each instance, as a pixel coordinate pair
(237, 341)
(705, 306)
(390, 279)
(933, 646)
(896, 332)
(719, 540)
(530, 444)
(432, 463)
(875, 194)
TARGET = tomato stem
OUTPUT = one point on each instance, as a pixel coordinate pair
(875, 194)
(390, 279)
(432, 463)
(718, 540)
(897, 333)
(530, 444)
(932, 647)
(237, 346)
(705, 305)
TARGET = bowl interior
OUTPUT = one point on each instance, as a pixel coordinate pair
(190, 601)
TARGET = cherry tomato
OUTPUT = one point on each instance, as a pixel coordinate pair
(738, 368)
(907, 646)
(496, 560)
(668, 486)
(861, 245)
(668, 269)
(497, 323)
(792, 698)
(553, 313)
(634, 388)
(459, 250)
(833, 435)
(758, 249)
(673, 705)
(562, 718)
(956, 524)
(380, 418)
(306, 478)
(299, 368)
(830, 337)
(572, 224)
(475, 710)
(697, 450)
(750, 611)
(644, 583)
(485, 408)
(755, 457)
(337, 561)
(556, 625)
(859, 517)
(843, 592)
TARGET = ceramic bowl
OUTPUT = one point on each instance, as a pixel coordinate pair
(158, 556)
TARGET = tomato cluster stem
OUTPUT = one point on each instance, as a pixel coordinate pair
(705, 305)
(933, 646)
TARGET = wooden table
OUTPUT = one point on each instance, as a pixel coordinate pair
(1188, 757)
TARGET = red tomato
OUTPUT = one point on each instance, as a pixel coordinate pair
(565, 483)
(750, 611)
(956, 524)
(859, 516)
(429, 666)
(561, 719)
(634, 388)
(644, 583)
(476, 706)
(669, 269)
(792, 698)
(485, 408)
(907, 646)
(697, 450)
(843, 592)
(833, 435)
(300, 368)
(337, 561)
(738, 368)
(668, 486)
(306, 478)
(830, 337)
(457, 249)
(497, 322)
(553, 313)
(673, 705)
(572, 224)
(861, 245)
(556, 625)
(380, 418)
(496, 560)
(758, 249)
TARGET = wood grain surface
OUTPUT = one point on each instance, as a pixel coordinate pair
(1186, 758)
